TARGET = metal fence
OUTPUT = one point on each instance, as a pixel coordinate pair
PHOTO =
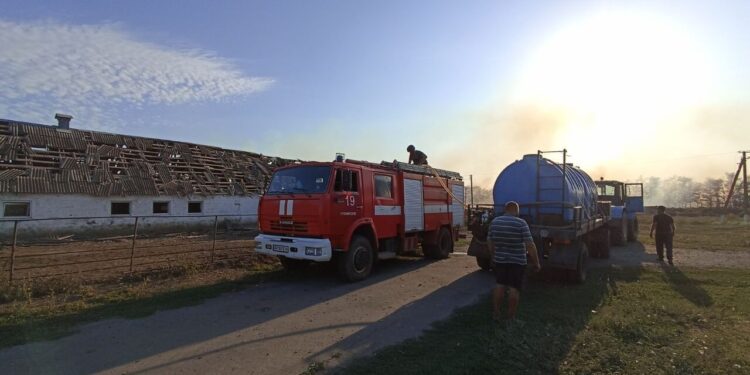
(96, 247)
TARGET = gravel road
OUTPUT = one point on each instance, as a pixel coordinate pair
(283, 327)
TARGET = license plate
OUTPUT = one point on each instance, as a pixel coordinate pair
(281, 248)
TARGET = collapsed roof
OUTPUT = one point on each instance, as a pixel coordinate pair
(42, 159)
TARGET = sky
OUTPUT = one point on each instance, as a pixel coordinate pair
(632, 88)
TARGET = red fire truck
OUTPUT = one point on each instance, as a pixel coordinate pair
(355, 212)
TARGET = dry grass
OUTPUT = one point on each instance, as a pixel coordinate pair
(703, 232)
(48, 308)
(102, 258)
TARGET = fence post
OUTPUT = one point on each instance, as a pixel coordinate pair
(132, 245)
(13, 251)
(213, 239)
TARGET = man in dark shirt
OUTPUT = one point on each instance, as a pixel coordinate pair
(415, 156)
(664, 227)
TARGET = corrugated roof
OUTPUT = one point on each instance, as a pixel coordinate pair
(37, 158)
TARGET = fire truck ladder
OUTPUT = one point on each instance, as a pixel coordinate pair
(551, 173)
(426, 170)
(429, 170)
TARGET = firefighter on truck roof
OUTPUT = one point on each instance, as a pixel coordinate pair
(416, 157)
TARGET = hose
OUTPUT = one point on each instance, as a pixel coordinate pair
(445, 187)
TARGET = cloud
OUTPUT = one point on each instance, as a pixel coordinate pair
(90, 70)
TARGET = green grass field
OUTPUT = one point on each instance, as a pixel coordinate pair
(632, 321)
(702, 233)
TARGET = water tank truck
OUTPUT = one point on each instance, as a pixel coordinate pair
(560, 203)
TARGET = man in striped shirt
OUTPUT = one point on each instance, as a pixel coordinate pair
(509, 239)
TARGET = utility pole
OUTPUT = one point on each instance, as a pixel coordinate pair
(471, 193)
(471, 188)
(744, 184)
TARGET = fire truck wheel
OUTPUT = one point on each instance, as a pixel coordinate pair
(290, 264)
(444, 246)
(356, 264)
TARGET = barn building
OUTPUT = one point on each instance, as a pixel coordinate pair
(56, 172)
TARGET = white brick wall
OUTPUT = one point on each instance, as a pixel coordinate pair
(68, 207)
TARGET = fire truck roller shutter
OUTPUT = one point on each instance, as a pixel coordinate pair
(413, 205)
(457, 207)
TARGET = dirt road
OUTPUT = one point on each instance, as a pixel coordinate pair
(283, 327)
(635, 254)
(275, 328)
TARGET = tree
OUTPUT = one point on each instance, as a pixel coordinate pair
(714, 191)
(652, 194)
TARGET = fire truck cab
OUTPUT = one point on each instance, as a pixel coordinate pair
(354, 212)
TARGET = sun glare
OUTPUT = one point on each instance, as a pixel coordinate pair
(616, 73)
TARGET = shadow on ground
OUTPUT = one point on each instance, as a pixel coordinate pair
(553, 312)
(686, 287)
(136, 339)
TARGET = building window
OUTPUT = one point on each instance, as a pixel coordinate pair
(195, 207)
(383, 186)
(120, 208)
(161, 207)
(16, 209)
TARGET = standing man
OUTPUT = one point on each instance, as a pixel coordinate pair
(415, 156)
(664, 226)
(509, 239)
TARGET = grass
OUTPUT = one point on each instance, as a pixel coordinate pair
(53, 308)
(462, 243)
(621, 321)
(702, 232)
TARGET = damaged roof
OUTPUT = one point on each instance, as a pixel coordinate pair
(42, 159)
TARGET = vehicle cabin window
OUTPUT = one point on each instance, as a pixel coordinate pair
(161, 208)
(634, 190)
(195, 207)
(383, 186)
(300, 180)
(120, 208)
(16, 209)
(607, 190)
(346, 180)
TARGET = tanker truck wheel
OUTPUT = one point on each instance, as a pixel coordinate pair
(356, 264)
(604, 247)
(484, 263)
(618, 232)
(633, 230)
(600, 243)
(443, 248)
(578, 275)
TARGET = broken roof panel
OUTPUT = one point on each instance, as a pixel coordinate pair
(37, 158)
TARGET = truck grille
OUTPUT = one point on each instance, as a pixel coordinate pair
(289, 226)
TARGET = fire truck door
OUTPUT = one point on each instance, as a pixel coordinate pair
(386, 210)
(347, 200)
